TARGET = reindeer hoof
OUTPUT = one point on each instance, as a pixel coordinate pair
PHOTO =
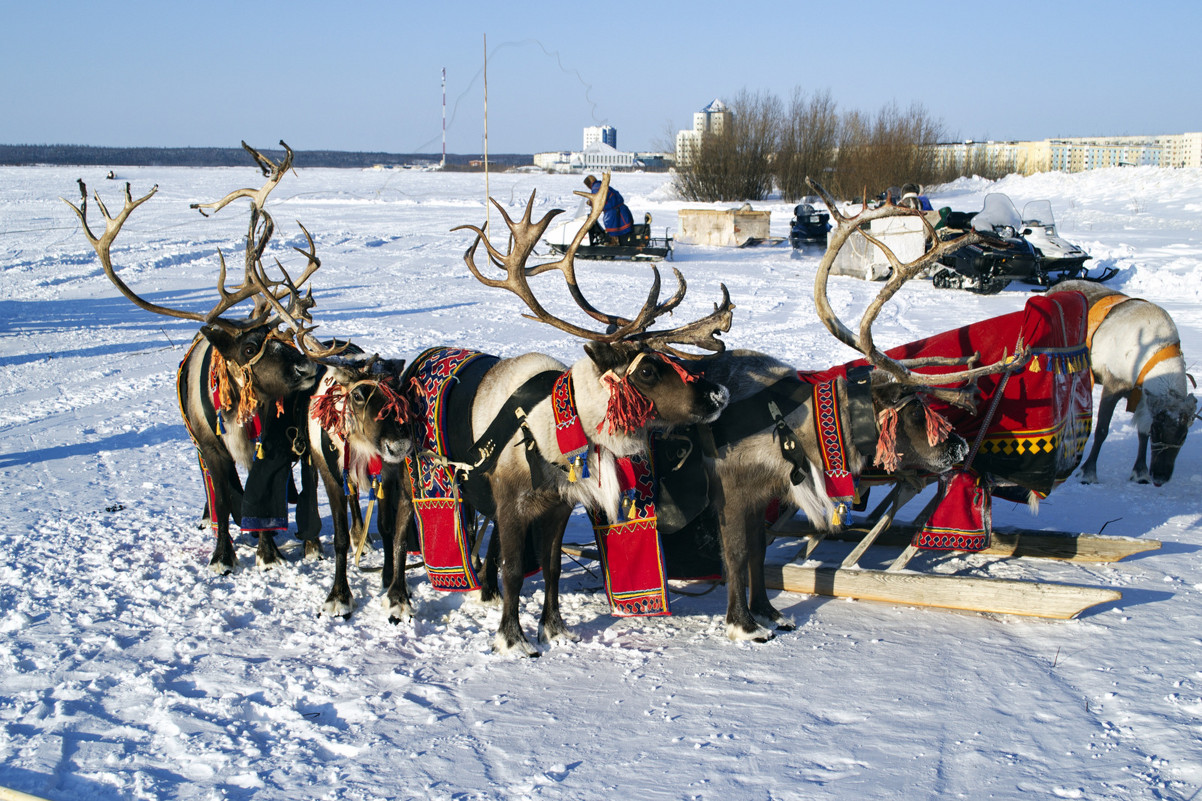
(559, 634)
(781, 623)
(223, 565)
(504, 646)
(313, 551)
(398, 612)
(338, 607)
(737, 633)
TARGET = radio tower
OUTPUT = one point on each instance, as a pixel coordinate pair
(444, 118)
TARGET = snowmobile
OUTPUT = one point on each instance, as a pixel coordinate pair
(639, 245)
(987, 267)
(1060, 260)
(808, 226)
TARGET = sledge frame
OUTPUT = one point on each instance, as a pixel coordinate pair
(896, 584)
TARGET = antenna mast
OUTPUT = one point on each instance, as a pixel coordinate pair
(488, 216)
(444, 118)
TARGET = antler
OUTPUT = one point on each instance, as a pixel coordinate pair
(102, 245)
(255, 284)
(525, 234)
(271, 171)
(902, 272)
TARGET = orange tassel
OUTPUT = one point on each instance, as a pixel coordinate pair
(886, 445)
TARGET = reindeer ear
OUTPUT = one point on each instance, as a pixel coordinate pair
(888, 393)
(226, 345)
(609, 356)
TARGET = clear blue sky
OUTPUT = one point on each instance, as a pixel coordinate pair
(367, 75)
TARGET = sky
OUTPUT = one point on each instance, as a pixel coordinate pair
(367, 76)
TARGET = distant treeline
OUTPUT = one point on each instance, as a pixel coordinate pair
(233, 157)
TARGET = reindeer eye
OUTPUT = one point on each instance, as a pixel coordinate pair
(646, 373)
(249, 350)
(359, 396)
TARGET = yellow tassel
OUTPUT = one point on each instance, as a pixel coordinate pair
(259, 450)
(1034, 368)
(572, 472)
(839, 514)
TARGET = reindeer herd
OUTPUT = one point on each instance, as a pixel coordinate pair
(261, 393)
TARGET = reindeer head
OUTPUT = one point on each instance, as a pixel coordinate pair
(1172, 414)
(365, 405)
(261, 362)
(645, 385)
(638, 372)
(912, 435)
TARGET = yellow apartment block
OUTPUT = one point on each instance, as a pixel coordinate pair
(1074, 154)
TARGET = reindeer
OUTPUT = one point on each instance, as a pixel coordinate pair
(628, 380)
(769, 447)
(237, 373)
(359, 424)
(1135, 352)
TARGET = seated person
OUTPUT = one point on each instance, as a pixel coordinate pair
(616, 220)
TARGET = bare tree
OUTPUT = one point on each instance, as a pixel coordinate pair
(735, 164)
(809, 141)
(891, 149)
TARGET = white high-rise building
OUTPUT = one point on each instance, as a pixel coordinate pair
(601, 133)
(713, 120)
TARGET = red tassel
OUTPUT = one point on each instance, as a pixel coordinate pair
(329, 409)
(886, 446)
(938, 426)
(684, 374)
(395, 404)
(628, 408)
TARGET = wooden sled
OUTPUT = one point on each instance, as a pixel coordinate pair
(895, 584)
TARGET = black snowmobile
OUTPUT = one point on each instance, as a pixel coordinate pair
(1006, 254)
(986, 267)
(808, 227)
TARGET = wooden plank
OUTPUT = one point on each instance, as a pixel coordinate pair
(1002, 596)
(1060, 545)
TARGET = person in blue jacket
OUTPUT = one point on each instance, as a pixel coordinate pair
(615, 215)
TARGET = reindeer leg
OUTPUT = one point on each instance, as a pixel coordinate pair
(267, 554)
(761, 608)
(387, 523)
(490, 592)
(397, 602)
(1089, 470)
(1139, 472)
(548, 533)
(309, 511)
(339, 602)
(738, 525)
(215, 473)
(511, 528)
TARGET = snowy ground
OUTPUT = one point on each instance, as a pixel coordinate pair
(129, 671)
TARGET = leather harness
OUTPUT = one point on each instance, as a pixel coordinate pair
(1097, 313)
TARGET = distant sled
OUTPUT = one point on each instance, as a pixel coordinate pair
(639, 246)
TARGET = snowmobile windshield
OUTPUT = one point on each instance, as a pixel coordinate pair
(1038, 212)
(998, 212)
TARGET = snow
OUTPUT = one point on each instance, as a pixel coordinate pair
(129, 671)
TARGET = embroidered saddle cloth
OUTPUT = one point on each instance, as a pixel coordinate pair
(442, 521)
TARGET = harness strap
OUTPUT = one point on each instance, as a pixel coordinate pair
(1136, 394)
(864, 431)
(483, 455)
(743, 418)
(1098, 312)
